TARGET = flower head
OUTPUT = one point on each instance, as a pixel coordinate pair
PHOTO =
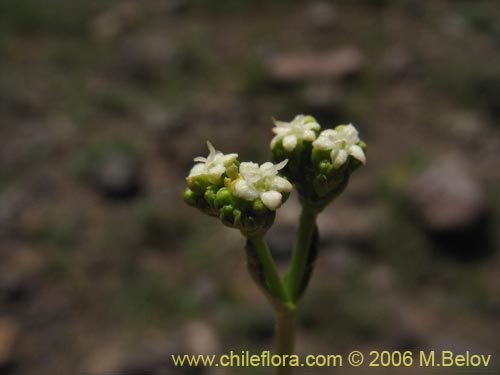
(213, 166)
(300, 128)
(342, 142)
(262, 182)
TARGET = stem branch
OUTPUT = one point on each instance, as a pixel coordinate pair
(296, 270)
(271, 275)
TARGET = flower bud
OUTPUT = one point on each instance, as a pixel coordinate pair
(243, 195)
(319, 167)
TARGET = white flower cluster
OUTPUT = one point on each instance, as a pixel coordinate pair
(300, 128)
(262, 182)
(252, 181)
(342, 142)
(213, 166)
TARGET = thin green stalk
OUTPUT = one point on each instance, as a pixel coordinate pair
(285, 338)
(298, 263)
(269, 267)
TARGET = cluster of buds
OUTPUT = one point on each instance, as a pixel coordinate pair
(246, 195)
(320, 162)
(243, 195)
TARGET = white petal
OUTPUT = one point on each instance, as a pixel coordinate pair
(281, 165)
(281, 184)
(267, 166)
(197, 170)
(228, 159)
(299, 119)
(289, 142)
(248, 167)
(200, 159)
(348, 133)
(339, 157)
(309, 135)
(271, 199)
(216, 170)
(281, 124)
(274, 141)
(322, 143)
(245, 191)
(212, 150)
(312, 126)
(358, 153)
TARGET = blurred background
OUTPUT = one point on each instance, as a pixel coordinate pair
(103, 105)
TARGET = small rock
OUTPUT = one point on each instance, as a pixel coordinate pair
(117, 176)
(109, 359)
(397, 62)
(449, 203)
(466, 127)
(382, 277)
(341, 260)
(9, 334)
(321, 97)
(204, 291)
(322, 15)
(148, 58)
(333, 65)
(12, 205)
(200, 338)
(163, 121)
(115, 20)
(280, 240)
(446, 195)
(151, 357)
(20, 272)
(349, 225)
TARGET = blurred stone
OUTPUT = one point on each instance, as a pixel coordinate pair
(341, 260)
(117, 176)
(9, 334)
(115, 20)
(397, 62)
(255, 324)
(280, 240)
(382, 277)
(151, 357)
(148, 58)
(12, 204)
(448, 201)
(412, 323)
(163, 121)
(108, 359)
(322, 15)
(332, 65)
(200, 338)
(50, 306)
(176, 6)
(466, 127)
(321, 97)
(20, 272)
(446, 195)
(350, 225)
(204, 291)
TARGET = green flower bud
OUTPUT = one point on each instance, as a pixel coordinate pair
(224, 197)
(189, 197)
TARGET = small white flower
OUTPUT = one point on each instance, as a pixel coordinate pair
(342, 142)
(262, 182)
(291, 132)
(214, 165)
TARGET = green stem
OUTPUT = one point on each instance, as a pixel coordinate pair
(298, 263)
(285, 338)
(271, 275)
